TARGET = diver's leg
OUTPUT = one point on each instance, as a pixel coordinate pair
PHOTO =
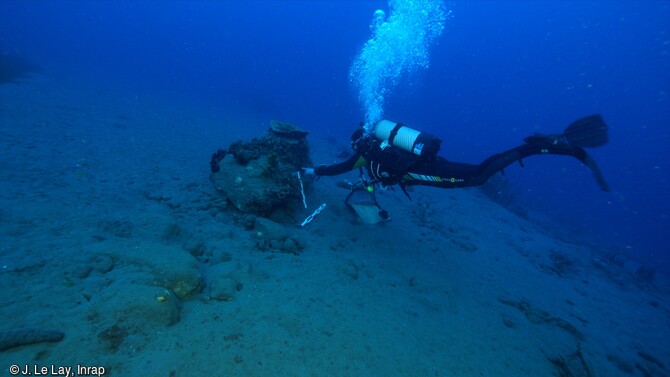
(442, 173)
(587, 132)
(439, 172)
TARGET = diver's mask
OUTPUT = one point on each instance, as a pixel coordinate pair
(356, 137)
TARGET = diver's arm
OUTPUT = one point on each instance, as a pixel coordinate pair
(339, 168)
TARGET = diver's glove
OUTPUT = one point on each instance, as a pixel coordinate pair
(312, 172)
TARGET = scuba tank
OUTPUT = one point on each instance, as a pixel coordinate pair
(416, 142)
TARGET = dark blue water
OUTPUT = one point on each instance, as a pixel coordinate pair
(500, 71)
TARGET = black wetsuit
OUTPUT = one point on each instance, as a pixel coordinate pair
(391, 165)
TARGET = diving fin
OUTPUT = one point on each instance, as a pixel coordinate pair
(597, 174)
(587, 132)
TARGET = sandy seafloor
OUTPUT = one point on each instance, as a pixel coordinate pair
(107, 202)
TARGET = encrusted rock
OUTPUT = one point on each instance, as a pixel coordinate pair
(136, 306)
(176, 270)
(259, 176)
(270, 230)
(165, 266)
(276, 237)
(287, 130)
(223, 288)
(226, 279)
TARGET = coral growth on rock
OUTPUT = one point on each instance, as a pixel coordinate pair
(259, 176)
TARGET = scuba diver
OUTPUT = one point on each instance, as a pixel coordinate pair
(394, 154)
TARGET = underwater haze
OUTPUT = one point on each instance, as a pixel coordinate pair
(104, 102)
(499, 71)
